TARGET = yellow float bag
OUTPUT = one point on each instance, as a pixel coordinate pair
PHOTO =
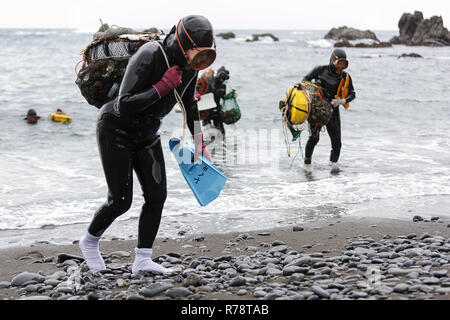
(298, 106)
(60, 117)
(343, 89)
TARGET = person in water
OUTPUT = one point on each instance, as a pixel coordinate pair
(329, 78)
(128, 133)
(31, 117)
(216, 85)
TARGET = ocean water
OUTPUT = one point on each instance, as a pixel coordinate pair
(395, 160)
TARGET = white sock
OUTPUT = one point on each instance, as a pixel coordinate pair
(143, 262)
(91, 252)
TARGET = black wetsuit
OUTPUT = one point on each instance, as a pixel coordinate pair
(218, 88)
(326, 77)
(128, 138)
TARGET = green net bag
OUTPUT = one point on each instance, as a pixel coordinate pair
(229, 109)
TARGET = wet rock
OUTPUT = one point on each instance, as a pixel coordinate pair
(178, 292)
(278, 243)
(411, 55)
(242, 292)
(297, 229)
(290, 270)
(280, 248)
(238, 281)
(430, 280)
(401, 288)
(135, 296)
(256, 37)
(347, 44)
(25, 277)
(359, 295)
(417, 218)
(226, 35)
(273, 272)
(346, 33)
(120, 254)
(415, 30)
(424, 236)
(5, 284)
(302, 261)
(154, 289)
(264, 234)
(65, 256)
(320, 292)
(193, 280)
(439, 273)
(36, 298)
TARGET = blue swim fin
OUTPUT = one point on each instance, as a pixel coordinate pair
(204, 179)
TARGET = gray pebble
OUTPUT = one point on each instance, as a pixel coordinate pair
(320, 292)
(135, 297)
(36, 298)
(439, 273)
(178, 292)
(242, 292)
(401, 288)
(25, 277)
(154, 289)
(238, 281)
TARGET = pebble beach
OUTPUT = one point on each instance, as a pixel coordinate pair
(334, 259)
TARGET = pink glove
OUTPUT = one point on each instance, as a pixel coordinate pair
(200, 147)
(171, 79)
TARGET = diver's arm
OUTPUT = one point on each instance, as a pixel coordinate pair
(135, 93)
(190, 103)
(351, 92)
(313, 74)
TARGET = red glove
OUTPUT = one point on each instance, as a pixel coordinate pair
(200, 147)
(170, 80)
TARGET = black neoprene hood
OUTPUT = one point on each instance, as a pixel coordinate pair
(199, 29)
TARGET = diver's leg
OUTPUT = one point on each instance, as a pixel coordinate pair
(116, 162)
(334, 131)
(150, 169)
(314, 137)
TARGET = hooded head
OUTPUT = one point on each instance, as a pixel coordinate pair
(194, 39)
(339, 56)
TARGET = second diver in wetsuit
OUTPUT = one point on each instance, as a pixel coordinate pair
(329, 77)
(128, 137)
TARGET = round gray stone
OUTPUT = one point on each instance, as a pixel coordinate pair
(320, 292)
(178, 292)
(24, 277)
(401, 288)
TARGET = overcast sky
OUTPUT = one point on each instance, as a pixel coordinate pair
(226, 14)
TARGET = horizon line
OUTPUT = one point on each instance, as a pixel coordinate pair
(221, 29)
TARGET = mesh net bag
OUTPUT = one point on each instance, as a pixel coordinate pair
(229, 109)
(104, 63)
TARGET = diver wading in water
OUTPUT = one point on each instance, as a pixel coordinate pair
(337, 88)
(128, 137)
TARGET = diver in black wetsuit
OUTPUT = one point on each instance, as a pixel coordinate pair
(128, 137)
(329, 77)
(218, 88)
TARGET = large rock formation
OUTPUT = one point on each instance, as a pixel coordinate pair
(375, 44)
(346, 33)
(263, 35)
(227, 35)
(417, 31)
